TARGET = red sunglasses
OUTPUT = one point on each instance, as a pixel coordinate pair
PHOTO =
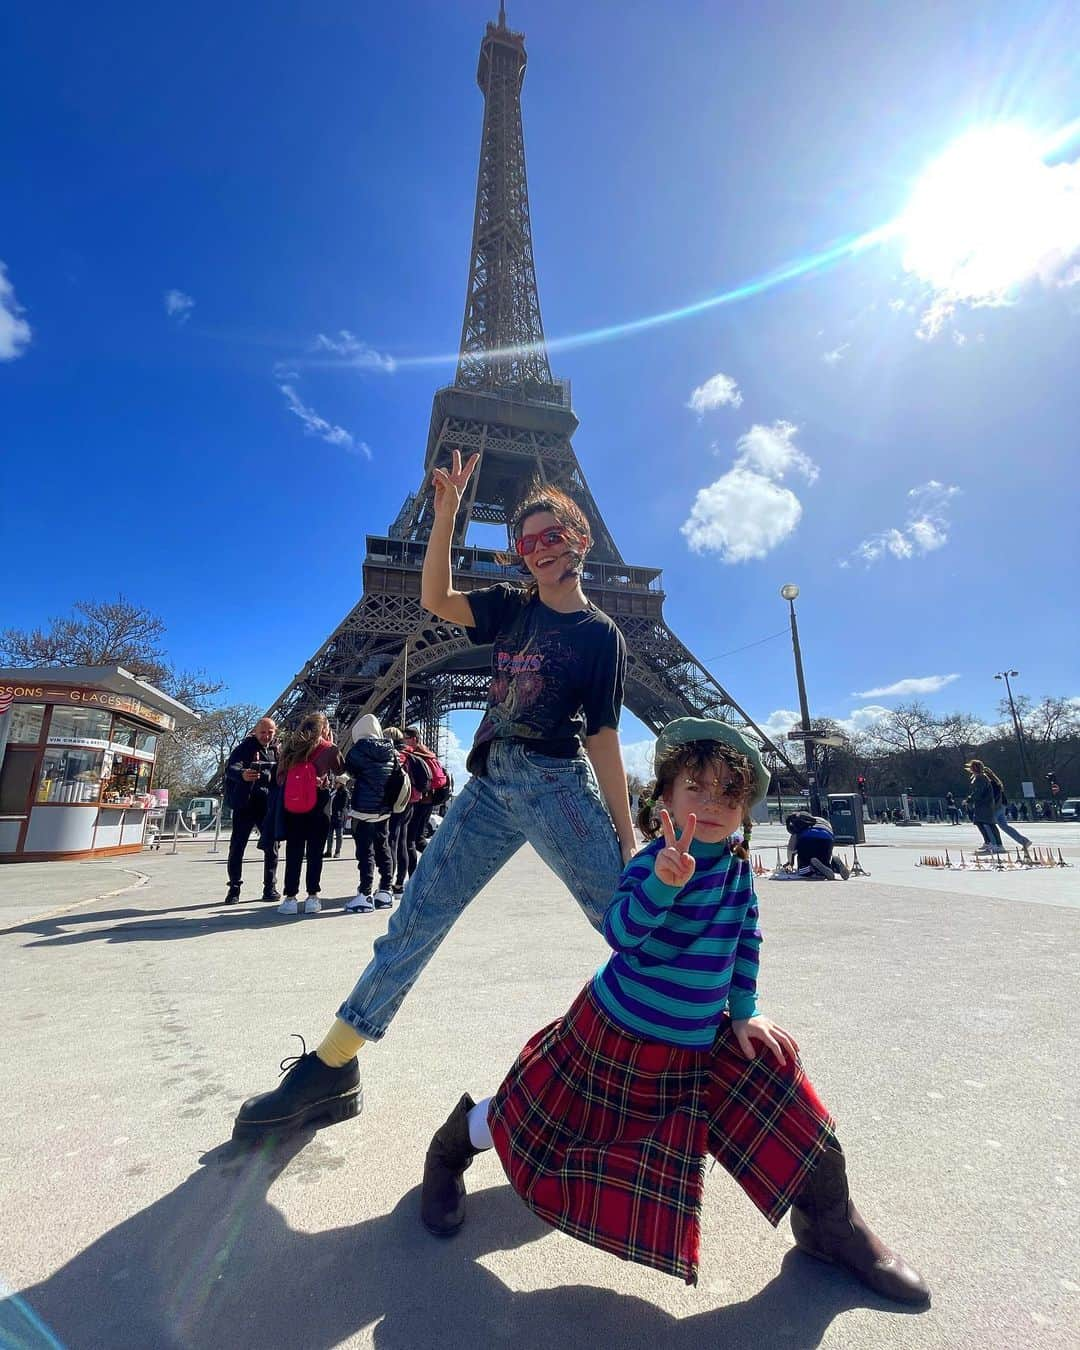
(554, 534)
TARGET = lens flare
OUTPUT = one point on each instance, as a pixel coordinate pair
(986, 216)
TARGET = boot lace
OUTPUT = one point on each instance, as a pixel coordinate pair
(289, 1060)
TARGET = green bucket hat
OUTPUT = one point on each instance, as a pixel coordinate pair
(686, 729)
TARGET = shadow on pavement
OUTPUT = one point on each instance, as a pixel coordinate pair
(214, 1264)
(164, 927)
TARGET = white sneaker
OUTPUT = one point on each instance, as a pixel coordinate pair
(312, 905)
(288, 905)
(383, 899)
(359, 904)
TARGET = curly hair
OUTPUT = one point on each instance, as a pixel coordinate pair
(692, 757)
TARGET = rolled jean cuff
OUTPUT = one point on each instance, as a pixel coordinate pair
(359, 1025)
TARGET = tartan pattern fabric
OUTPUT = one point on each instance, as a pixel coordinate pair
(604, 1135)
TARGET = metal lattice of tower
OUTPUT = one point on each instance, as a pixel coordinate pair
(390, 656)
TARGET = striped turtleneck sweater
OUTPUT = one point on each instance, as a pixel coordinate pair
(681, 956)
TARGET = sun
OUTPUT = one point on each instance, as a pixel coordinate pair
(987, 215)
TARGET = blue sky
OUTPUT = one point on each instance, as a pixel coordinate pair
(193, 194)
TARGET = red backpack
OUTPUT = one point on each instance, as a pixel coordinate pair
(301, 788)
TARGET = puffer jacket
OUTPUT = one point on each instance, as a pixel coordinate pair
(370, 761)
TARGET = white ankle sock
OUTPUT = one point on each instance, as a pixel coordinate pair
(479, 1134)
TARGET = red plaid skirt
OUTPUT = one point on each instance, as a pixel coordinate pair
(605, 1136)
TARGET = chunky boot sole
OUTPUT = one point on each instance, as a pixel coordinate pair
(328, 1111)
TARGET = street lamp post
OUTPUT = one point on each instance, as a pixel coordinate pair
(789, 593)
(1004, 675)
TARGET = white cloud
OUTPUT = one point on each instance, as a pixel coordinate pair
(988, 219)
(778, 723)
(745, 514)
(638, 758)
(925, 530)
(314, 425)
(772, 451)
(15, 332)
(915, 684)
(836, 355)
(717, 392)
(354, 352)
(178, 306)
(742, 515)
(454, 756)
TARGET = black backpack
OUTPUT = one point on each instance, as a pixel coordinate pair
(393, 787)
(420, 775)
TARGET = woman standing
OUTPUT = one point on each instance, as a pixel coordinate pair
(305, 772)
(546, 770)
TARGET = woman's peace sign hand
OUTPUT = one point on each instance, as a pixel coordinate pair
(675, 864)
(450, 484)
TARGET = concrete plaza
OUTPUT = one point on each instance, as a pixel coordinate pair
(935, 1011)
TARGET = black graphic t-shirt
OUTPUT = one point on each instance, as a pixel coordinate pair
(555, 678)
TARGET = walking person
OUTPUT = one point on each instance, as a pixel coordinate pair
(339, 810)
(604, 1122)
(983, 806)
(373, 762)
(951, 809)
(305, 772)
(546, 770)
(249, 775)
(399, 818)
(1001, 819)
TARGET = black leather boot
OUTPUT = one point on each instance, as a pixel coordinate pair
(827, 1225)
(442, 1196)
(232, 896)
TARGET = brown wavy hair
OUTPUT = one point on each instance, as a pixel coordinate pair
(300, 744)
(692, 758)
(543, 497)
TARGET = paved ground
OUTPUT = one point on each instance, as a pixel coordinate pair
(935, 1012)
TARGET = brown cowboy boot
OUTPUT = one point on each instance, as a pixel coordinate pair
(827, 1225)
(442, 1195)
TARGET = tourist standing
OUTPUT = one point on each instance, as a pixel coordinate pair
(339, 810)
(431, 787)
(546, 770)
(604, 1122)
(305, 773)
(399, 819)
(249, 775)
(372, 761)
(951, 808)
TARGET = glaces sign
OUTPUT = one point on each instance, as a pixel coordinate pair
(91, 698)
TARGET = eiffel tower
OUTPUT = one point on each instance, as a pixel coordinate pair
(391, 657)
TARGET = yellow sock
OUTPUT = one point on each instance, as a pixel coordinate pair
(340, 1044)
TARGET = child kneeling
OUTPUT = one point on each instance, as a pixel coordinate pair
(603, 1123)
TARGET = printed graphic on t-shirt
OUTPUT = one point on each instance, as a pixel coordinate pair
(528, 694)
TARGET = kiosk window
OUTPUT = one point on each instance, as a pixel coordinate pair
(70, 775)
(26, 720)
(15, 779)
(80, 724)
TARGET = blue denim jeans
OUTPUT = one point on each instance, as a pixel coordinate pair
(552, 804)
(1002, 821)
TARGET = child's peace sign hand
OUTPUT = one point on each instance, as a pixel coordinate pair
(450, 484)
(675, 864)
